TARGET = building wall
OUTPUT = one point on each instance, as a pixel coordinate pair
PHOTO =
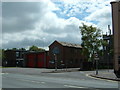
(10, 58)
(72, 56)
(67, 57)
(36, 59)
(59, 56)
(13, 58)
(116, 33)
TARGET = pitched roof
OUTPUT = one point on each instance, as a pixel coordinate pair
(70, 44)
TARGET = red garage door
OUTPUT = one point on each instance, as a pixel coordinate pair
(40, 60)
(31, 60)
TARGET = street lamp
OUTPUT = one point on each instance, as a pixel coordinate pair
(55, 52)
(55, 62)
(44, 52)
(96, 59)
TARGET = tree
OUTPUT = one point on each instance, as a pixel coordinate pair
(91, 40)
(14, 49)
(35, 48)
(2, 55)
(21, 49)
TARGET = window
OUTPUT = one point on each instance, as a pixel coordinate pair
(17, 54)
(52, 61)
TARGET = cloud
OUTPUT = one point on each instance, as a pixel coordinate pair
(78, 7)
(69, 32)
(18, 17)
(102, 17)
(103, 13)
(40, 23)
(94, 11)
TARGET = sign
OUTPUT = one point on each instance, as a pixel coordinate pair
(55, 50)
(106, 37)
(96, 56)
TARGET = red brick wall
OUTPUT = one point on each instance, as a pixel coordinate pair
(70, 56)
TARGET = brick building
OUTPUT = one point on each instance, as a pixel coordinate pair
(116, 35)
(67, 54)
(36, 59)
(13, 58)
(23, 58)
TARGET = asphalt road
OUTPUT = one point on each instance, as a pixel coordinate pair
(34, 78)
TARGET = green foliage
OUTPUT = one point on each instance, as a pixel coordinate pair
(105, 43)
(22, 49)
(2, 55)
(35, 48)
(14, 49)
(91, 40)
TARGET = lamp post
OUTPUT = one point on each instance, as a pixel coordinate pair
(96, 67)
(44, 52)
(55, 52)
(55, 62)
(96, 59)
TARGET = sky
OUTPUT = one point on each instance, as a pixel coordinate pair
(41, 22)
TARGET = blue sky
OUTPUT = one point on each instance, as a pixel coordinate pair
(67, 11)
(40, 22)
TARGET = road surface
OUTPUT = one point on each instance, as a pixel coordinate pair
(34, 78)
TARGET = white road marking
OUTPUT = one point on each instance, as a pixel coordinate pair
(42, 82)
(111, 81)
(3, 73)
(31, 81)
(97, 89)
(73, 86)
(24, 80)
(34, 81)
(27, 80)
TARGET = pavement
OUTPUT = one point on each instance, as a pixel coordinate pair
(105, 74)
(62, 70)
(37, 71)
